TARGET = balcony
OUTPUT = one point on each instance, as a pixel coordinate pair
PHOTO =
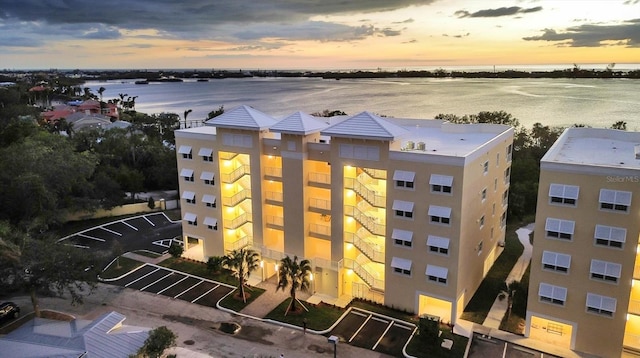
(370, 249)
(273, 173)
(324, 263)
(634, 307)
(369, 222)
(268, 253)
(369, 195)
(238, 221)
(275, 222)
(320, 231)
(321, 206)
(236, 198)
(239, 243)
(320, 180)
(273, 198)
(368, 277)
(376, 173)
(636, 269)
(236, 174)
(227, 155)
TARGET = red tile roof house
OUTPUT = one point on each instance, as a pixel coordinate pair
(87, 107)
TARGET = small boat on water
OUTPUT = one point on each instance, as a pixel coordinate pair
(143, 82)
(203, 80)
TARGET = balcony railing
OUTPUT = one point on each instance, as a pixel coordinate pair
(371, 223)
(367, 194)
(236, 198)
(268, 253)
(227, 155)
(237, 221)
(321, 179)
(636, 270)
(324, 263)
(321, 206)
(634, 306)
(236, 174)
(368, 248)
(275, 222)
(273, 197)
(376, 173)
(272, 173)
(239, 243)
(364, 274)
(320, 231)
(631, 341)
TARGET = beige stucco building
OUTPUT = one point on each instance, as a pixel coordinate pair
(407, 212)
(584, 292)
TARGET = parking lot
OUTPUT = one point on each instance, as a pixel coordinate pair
(163, 281)
(487, 346)
(152, 232)
(375, 332)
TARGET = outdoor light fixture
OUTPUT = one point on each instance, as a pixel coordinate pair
(334, 340)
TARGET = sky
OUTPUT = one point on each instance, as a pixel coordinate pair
(315, 34)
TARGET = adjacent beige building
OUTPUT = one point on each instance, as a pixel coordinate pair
(407, 212)
(584, 292)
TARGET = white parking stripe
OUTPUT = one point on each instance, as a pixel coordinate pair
(359, 329)
(380, 319)
(149, 221)
(204, 294)
(161, 278)
(140, 278)
(129, 225)
(111, 231)
(382, 336)
(91, 237)
(185, 291)
(184, 278)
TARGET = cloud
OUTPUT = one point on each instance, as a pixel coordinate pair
(502, 11)
(632, 2)
(590, 35)
(457, 36)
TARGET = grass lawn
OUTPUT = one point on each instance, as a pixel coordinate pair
(198, 269)
(420, 349)
(384, 310)
(126, 265)
(480, 304)
(233, 302)
(319, 317)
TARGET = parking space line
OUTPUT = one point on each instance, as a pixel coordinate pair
(164, 289)
(149, 221)
(187, 290)
(380, 319)
(91, 237)
(382, 336)
(129, 225)
(359, 329)
(194, 276)
(360, 314)
(140, 278)
(161, 278)
(111, 231)
(204, 294)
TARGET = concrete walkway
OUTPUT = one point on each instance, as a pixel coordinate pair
(500, 306)
(269, 300)
(146, 259)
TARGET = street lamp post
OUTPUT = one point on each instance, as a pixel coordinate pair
(334, 340)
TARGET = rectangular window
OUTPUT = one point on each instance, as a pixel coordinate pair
(601, 305)
(208, 178)
(480, 246)
(401, 266)
(481, 221)
(509, 152)
(404, 179)
(484, 194)
(189, 197)
(497, 159)
(438, 245)
(441, 183)
(211, 223)
(507, 175)
(605, 271)
(209, 200)
(560, 229)
(505, 197)
(610, 236)
(187, 174)
(555, 261)
(206, 154)
(185, 150)
(552, 294)
(615, 200)
(440, 214)
(485, 167)
(563, 194)
(403, 209)
(402, 237)
(503, 219)
(191, 219)
(437, 274)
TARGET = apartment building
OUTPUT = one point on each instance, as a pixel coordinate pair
(407, 212)
(584, 292)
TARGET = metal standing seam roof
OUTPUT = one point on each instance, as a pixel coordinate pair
(242, 117)
(299, 123)
(365, 125)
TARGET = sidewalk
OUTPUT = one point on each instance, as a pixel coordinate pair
(146, 259)
(268, 301)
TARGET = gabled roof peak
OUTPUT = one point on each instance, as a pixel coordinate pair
(365, 125)
(299, 123)
(243, 117)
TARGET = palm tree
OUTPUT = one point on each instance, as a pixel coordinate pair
(298, 275)
(101, 91)
(186, 113)
(241, 263)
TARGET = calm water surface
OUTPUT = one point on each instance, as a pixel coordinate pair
(561, 102)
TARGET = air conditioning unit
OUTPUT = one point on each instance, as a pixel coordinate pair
(422, 146)
(410, 145)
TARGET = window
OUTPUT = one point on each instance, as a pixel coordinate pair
(552, 294)
(402, 237)
(480, 246)
(505, 197)
(601, 305)
(206, 154)
(555, 261)
(440, 214)
(503, 219)
(441, 183)
(438, 245)
(403, 209)
(212, 224)
(208, 178)
(495, 184)
(185, 150)
(497, 159)
(401, 266)
(615, 200)
(485, 167)
(483, 194)
(404, 179)
(610, 236)
(437, 274)
(605, 271)
(189, 197)
(560, 229)
(209, 200)
(191, 219)
(507, 175)
(187, 174)
(563, 194)
(509, 152)
(481, 221)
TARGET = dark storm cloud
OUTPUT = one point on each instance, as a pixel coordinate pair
(590, 35)
(502, 11)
